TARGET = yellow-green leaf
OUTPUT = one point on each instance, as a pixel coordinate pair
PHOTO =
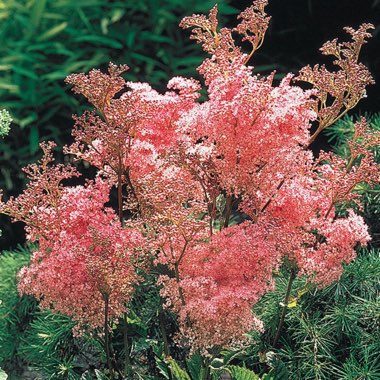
(53, 31)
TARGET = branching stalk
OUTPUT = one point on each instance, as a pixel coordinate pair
(285, 307)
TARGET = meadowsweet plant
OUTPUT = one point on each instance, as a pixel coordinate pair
(185, 171)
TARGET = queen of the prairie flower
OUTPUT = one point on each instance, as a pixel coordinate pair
(181, 167)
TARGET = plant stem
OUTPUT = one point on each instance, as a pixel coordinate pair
(206, 367)
(285, 307)
(180, 291)
(228, 210)
(120, 193)
(163, 333)
(106, 331)
(270, 200)
(127, 361)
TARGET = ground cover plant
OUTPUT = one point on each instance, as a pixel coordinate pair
(214, 198)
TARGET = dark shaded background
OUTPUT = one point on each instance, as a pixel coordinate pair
(297, 30)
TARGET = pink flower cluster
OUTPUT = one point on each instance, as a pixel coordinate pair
(182, 168)
(84, 254)
(220, 280)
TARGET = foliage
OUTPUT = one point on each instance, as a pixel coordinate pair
(331, 330)
(15, 312)
(48, 346)
(41, 340)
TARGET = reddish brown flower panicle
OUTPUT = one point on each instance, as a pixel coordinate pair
(339, 91)
(97, 87)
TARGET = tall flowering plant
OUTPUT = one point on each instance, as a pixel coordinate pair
(181, 168)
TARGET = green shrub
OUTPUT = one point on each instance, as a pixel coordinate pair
(330, 333)
(48, 346)
(15, 311)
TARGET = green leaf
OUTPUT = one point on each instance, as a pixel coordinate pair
(217, 364)
(147, 36)
(77, 3)
(12, 88)
(53, 31)
(100, 40)
(100, 375)
(144, 58)
(163, 368)
(27, 120)
(130, 38)
(86, 376)
(18, 57)
(177, 372)
(188, 61)
(33, 139)
(194, 365)
(61, 74)
(25, 72)
(37, 12)
(240, 373)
